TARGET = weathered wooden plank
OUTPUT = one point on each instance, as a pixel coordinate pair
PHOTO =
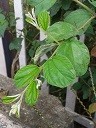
(18, 9)
(3, 70)
(80, 119)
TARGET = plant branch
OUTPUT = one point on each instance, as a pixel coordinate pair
(87, 22)
(84, 6)
(89, 114)
(13, 65)
(92, 81)
(86, 83)
(46, 33)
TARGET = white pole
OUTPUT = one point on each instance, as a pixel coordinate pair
(45, 88)
(70, 96)
(2, 60)
(18, 9)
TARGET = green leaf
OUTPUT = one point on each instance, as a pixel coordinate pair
(41, 5)
(16, 44)
(87, 3)
(34, 2)
(77, 53)
(60, 31)
(94, 80)
(42, 50)
(3, 24)
(2, 17)
(90, 30)
(55, 8)
(86, 75)
(92, 98)
(26, 75)
(77, 86)
(66, 4)
(3, 27)
(86, 93)
(10, 99)
(29, 20)
(93, 2)
(32, 94)
(58, 71)
(31, 52)
(43, 20)
(78, 18)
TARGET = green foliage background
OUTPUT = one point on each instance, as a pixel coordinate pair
(63, 21)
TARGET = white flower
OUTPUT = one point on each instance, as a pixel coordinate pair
(39, 83)
(32, 19)
(15, 109)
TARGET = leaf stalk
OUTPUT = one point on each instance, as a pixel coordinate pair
(84, 6)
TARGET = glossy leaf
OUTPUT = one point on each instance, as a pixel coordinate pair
(77, 53)
(41, 5)
(32, 94)
(92, 108)
(42, 50)
(78, 18)
(60, 31)
(26, 75)
(58, 71)
(43, 20)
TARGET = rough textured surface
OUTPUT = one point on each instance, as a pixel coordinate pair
(5, 122)
(48, 112)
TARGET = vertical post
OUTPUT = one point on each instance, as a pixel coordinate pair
(44, 89)
(18, 9)
(2, 60)
(4, 4)
(70, 98)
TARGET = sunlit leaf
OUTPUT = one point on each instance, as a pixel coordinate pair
(10, 99)
(58, 71)
(78, 18)
(92, 108)
(25, 75)
(77, 53)
(41, 5)
(60, 31)
(43, 20)
(32, 94)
